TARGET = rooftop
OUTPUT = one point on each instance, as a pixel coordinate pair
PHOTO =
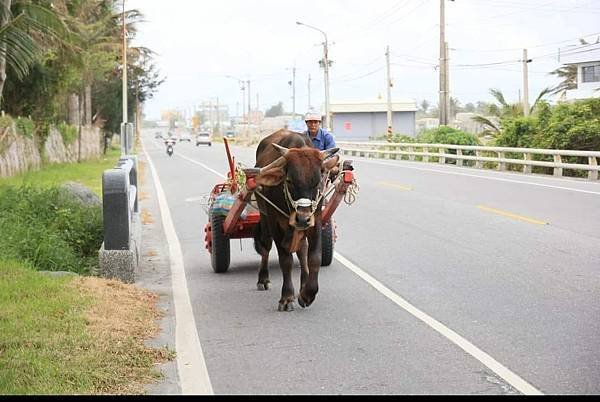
(398, 105)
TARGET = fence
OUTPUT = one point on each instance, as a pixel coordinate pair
(119, 255)
(479, 155)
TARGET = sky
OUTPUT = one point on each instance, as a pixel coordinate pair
(204, 48)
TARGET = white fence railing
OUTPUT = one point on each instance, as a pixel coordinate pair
(478, 154)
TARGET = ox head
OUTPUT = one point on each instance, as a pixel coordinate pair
(301, 171)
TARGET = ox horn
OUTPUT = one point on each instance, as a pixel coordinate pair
(329, 152)
(279, 162)
(282, 150)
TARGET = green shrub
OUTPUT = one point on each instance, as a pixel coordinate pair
(68, 133)
(447, 135)
(49, 230)
(25, 127)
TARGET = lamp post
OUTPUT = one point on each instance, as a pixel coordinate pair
(243, 89)
(326, 69)
(126, 128)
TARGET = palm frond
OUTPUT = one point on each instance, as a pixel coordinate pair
(496, 93)
(486, 122)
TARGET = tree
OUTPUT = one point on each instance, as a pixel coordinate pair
(24, 29)
(503, 110)
(275, 110)
(424, 105)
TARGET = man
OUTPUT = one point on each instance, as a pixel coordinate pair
(320, 138)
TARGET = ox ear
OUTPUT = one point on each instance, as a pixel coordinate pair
(271, 177)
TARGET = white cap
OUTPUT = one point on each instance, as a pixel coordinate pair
(311, 115)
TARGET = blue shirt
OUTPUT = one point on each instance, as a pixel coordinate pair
(323, 140)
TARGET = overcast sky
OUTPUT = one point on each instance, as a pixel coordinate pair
(199, 43)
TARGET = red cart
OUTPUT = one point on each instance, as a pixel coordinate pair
(240, 220)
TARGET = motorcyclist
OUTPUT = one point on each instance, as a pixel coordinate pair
(170, 143)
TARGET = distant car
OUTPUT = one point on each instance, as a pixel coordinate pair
(185, 137)
(204, 137)
(230, 135)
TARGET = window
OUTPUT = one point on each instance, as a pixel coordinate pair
(591, 73)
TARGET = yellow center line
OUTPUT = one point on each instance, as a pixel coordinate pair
(394, 185)
(513, 216)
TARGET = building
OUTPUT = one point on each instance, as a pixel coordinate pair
(368, 120)
(588, 72)
(427, 123)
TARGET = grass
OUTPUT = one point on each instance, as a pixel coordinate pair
(67, 335)
(74, 335)
(87, 173)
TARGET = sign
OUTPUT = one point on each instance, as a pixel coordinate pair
(348, 126)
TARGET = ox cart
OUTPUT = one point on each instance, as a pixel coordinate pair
(233, 212)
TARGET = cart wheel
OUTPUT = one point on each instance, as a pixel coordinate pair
(327, 244)
(219, 255)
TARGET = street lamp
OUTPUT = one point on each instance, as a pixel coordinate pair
(325, 62)
(243, 89)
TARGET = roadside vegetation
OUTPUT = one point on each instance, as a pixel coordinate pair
(62, 330)
(60, 66)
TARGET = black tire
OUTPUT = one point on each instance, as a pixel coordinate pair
(219, 255)
(327, 244)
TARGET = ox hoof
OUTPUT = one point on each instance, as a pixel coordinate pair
(301, 301)
(263, 286)
(286, 306)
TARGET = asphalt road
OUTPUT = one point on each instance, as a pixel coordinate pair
(446, 281)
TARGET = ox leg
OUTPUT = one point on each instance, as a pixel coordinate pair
(309, 290)
(262, 244)
(303, 258)
(286, 260)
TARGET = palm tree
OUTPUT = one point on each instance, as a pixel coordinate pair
(568, 74)
(504, 110)
(24, 29)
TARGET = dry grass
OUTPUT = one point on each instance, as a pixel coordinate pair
(120, 320)
(146, 217)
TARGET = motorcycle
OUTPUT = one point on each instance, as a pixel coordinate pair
(169, 145)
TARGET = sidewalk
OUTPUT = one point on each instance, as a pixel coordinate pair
(154, 274)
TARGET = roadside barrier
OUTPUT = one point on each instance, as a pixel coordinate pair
(120, 252)
(498, 158)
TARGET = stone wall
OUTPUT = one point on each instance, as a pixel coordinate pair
(19, 154)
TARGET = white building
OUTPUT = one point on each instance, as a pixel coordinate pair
(588, 72)
(363, 120)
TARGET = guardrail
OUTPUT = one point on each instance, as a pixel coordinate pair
(119, 255)
(481, 155)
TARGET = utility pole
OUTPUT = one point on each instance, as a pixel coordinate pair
(444, 98)
(218, 117)
(525, 84)
(309, 79)
(249, 102)
(124, 68)
(447, 85)
(326, 63)
(388, 84)
(292, 83)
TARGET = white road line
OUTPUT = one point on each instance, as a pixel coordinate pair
(193, 374)
(508, 376)
(483, 177)
(201, 164)
(502, 371)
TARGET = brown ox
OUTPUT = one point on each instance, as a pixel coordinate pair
(291, 179)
